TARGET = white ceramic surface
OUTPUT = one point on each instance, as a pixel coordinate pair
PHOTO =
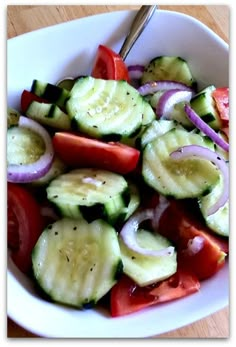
(68, 49)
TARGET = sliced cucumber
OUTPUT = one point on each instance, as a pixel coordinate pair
(155, 129)
(24, 146)
(134, 200)
(48, 114)
(170, 68)
(219, 149)
(108, 109)
(50, 92)
(204, 105)
(77, 263)
(155, 98)
(178, 114)
(219, 221)
(145, 270)
(189, 178)
(92, 193)
(57, 168)
(66, 83)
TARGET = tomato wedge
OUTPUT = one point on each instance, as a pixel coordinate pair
(109, 65)
(127, 297)
(180, 223)
(26, 99)
(79, 151)
(221, 97)
(25, 224)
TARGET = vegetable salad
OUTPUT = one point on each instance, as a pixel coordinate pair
(118, 184)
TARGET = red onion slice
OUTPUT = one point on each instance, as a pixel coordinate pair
(195, 245)
(128, 235)
(205, 128)
(159, 210)
(135, 71)
(154, 86)
(169, 99)
(206, 153)
(30, 172)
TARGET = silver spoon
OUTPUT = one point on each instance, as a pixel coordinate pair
(139, 23)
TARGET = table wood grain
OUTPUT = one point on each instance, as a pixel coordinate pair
(22, 19)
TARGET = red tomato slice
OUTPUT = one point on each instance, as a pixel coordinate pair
(221, 97)
(26, 99)
(25, 224)
(180, 224)
(127, 297)
(79, 151)
(109, 65)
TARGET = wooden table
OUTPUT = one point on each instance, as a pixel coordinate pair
(22, 19)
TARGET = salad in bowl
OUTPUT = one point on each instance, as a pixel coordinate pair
(118, 184)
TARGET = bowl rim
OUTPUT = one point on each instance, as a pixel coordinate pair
(10, 275)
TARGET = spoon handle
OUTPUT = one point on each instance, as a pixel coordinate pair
(139, 23)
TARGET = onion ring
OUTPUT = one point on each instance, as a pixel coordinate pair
(30, 172)
(128, 235)
(205, 153)
(205, 128)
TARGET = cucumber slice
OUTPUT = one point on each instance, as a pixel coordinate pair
(145, 270)
(204, 105)
(58, 168)
(24, 146)
(77, 263)
(92, 193)
(134, 200)
(157, 128)
(108, 109)
(219, 221)
(189, 178)
(48, 114)
(50, 92)
(66, 83)
(178, 114)
(169, 68)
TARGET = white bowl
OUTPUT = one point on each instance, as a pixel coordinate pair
(68, 49)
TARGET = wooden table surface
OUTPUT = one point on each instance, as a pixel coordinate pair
(22, 19)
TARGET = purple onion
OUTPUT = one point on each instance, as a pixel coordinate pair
(205, 153)
(169, 99)
(29, 172)
(129, 230)
(205, 128)
(155, 86)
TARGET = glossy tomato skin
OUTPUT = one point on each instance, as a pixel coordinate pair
(26, 99)
(79, 151)
(221, 97)
(181, 224)
(109, 65)
(25, 224)
(127, 297)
